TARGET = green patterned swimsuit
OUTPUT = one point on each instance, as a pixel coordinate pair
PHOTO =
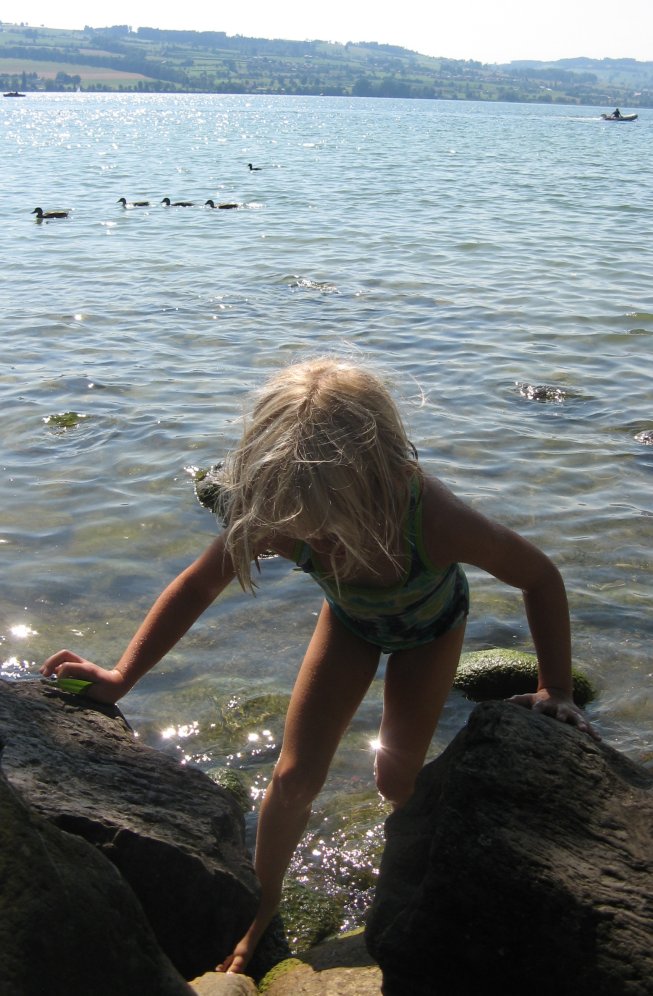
(426, 604)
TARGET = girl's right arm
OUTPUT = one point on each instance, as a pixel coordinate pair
(172, 615)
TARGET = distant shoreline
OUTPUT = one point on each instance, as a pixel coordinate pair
(116, 59)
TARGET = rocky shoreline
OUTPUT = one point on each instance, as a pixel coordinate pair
(524, 855)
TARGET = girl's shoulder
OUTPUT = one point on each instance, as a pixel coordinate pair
(438, 499)
(443, 520)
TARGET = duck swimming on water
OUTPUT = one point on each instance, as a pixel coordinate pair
(133, 204)
(253, 169)
(42, 215)
(225, 206)
(176, 204)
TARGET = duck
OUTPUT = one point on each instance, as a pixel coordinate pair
(225, 206)
(42, 215)
(176, 204)
(133, 204)
(253, 169)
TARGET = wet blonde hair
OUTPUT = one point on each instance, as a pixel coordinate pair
(324, 455)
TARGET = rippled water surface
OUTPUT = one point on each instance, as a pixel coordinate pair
(496, 259)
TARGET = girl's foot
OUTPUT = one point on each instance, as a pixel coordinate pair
(237, 961)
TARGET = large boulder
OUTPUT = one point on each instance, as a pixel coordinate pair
(175, 836)
(69, 923)
(522, 863)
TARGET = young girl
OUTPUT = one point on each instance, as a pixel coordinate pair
(326, 477)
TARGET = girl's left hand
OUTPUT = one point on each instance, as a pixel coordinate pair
(558, 705)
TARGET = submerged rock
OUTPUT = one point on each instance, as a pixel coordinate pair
(542, 392)
(64, 420)
(308, 915)
(523, 863)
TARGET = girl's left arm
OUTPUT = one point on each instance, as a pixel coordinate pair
(466, 536)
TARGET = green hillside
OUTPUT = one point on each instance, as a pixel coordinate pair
(149, 59)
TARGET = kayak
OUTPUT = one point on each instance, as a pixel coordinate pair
(622, 117)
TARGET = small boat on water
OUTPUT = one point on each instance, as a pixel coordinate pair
(618, 116)
(13, 93)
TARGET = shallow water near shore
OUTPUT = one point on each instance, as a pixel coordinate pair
(493, 259)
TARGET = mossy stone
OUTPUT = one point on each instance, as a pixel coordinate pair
(233, 781)
(308, 915)
(64, 420)
(242, 714)
(498, 674)
(279, 970)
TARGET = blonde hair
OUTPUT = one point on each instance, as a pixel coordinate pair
(324, 454)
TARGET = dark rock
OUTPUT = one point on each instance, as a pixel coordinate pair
(209, 490)
(69, 923)
(542, 392)
(175, 836)
(523, 863)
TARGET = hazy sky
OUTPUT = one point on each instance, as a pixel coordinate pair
(487, 30)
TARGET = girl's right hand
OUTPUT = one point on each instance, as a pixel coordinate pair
(106, 686)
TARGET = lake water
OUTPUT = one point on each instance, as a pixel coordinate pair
(473, 250)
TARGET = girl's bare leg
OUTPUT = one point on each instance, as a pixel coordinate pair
(335, 674)
(417, 684)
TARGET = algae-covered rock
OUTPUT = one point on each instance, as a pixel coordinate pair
(498, 674)
(63, 420)
(341, 966)
(278, 972)
(308, 915)
(340, 855)
(233, 782)
(209, 490)
(242, 714)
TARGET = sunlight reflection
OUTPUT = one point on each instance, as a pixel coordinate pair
(21, 631)
(187, 730)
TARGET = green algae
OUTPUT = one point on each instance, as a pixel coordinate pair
(498, 674)
(309, 915)
(64, 420)
(280, 969)
(244, 713)
(339, 855)
(233, 782)
(219, 723)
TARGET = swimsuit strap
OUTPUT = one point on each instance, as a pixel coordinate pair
(419, 560)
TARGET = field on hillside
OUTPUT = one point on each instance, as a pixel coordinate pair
(50, 70)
